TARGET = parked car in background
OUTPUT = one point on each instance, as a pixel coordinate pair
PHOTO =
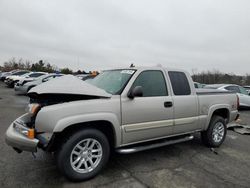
(247, 89)
(198, 85)
(28, 78)
(24, 88)
(241, 92)
(86, 76)
(5, 74)
(125, 110)
(15, 77)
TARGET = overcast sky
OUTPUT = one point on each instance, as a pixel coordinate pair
(98, 34)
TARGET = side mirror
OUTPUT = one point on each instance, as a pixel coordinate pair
(135, 92)
(44, 80)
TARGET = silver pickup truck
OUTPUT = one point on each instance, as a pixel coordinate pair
(125, 110)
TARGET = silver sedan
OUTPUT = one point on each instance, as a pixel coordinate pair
(241, 92)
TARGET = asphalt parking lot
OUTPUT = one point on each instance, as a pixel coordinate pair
(187, 164)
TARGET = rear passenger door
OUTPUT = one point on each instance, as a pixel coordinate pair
(147, 117)
(185, 103)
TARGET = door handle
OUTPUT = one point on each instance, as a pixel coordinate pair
(168, 104)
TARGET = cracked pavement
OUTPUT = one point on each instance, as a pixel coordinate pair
(188, 164)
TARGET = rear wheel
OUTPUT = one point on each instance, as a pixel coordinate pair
(215, 135)
(83, 155)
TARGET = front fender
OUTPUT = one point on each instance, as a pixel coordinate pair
(77, 119)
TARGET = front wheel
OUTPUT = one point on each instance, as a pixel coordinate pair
(83, 155)
(216, 132)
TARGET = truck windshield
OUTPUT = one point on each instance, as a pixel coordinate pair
(112, 81)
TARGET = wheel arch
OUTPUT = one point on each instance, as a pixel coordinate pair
(106, 127)
(222, 111)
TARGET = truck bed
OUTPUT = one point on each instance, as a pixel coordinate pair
(211, 92)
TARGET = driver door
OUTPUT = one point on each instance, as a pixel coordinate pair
(150, 116)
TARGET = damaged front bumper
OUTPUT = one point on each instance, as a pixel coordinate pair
(15, 135)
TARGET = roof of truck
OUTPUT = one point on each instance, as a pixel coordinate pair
(148, 68)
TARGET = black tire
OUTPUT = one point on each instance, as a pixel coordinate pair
(64, 155)
(207, 136)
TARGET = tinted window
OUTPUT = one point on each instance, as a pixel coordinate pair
(20, 73)
(152, 83)
(233, 88)
(179, 83)
(49, 78)
(36, 75)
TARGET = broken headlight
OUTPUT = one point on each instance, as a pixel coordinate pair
(33, 108)
(29, 133)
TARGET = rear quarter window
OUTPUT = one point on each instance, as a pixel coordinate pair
(179, 83)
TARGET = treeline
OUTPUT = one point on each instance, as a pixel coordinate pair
(206, 77)
(217, 77)
(41, 66)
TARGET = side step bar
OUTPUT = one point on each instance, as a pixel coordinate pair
(133, 149)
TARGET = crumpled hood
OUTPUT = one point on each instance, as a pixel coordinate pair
(68, 84)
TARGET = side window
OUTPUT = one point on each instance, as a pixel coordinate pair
(48, 78)
(179, 83)
(35, 75)
(152, 83)
(20, 73)
(39, 74)
(233, 88)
